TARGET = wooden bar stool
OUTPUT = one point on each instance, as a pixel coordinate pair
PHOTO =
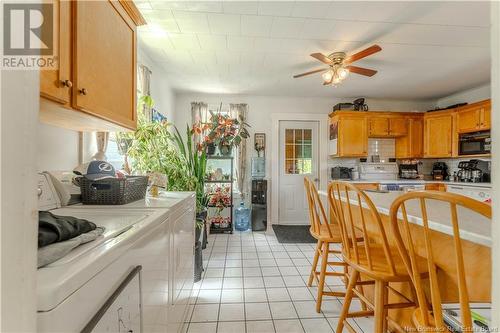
(325, 233)
(379, 263)
(429, 318)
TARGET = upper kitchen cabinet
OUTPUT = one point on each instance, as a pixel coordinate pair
(349, 135)
(384, 125)
(56, 84)
(102, 81)
(474, 117)
(412, 144)
(439, 134)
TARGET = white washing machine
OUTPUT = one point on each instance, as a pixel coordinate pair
(181, 223)
(124, 280)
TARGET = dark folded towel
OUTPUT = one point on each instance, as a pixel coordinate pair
(53, 228)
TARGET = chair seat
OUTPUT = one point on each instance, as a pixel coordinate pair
(380, 269)
(324, 235)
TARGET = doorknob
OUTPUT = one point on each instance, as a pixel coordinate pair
(67, 83)
(83, 91)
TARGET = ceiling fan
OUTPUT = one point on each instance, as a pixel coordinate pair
(340, 65)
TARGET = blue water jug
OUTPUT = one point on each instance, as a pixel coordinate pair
(242, 218)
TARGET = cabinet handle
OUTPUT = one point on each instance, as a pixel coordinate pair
(83, 91)
(67, 83)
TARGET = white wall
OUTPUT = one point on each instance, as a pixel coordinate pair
(495, 133)
(18, 212)
(57, 148)
(162, 93)
(470, 95)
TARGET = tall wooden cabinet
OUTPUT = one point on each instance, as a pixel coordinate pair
(94, 87)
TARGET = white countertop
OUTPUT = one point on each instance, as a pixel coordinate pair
(417, 181)
(473, 227)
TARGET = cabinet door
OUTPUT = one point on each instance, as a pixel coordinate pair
(416, 134)
(412, 144)
(353, 137)
(398, 126)
(485, 118)
(105, 62)
(56, 84)
(468, 120)
(379, 126)
(438, 136)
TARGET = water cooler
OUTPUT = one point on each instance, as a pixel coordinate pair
(259, 195)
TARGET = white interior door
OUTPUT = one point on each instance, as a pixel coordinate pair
(298, 150)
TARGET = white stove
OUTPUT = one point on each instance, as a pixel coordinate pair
(378, 171)
(135, 248)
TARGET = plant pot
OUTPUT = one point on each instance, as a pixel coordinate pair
(204, 238)
(198, 230)
(210, 149)
(198, 262)
(226, 150)
(202, 215)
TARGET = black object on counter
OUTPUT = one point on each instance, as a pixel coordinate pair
(54, 228)
(339, 172)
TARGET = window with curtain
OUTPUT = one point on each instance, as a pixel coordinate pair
(106, 144)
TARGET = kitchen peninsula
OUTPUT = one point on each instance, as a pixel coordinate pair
(475, 232)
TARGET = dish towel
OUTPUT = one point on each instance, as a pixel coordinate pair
(53, 252)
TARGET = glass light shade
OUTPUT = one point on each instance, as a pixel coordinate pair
(327, 76)
(343, 73)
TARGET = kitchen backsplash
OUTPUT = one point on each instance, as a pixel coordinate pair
(385, 148)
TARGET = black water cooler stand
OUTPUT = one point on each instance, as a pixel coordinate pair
(259, 205)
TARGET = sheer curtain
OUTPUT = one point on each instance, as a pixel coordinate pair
(144, 87)
(239, 111)
(199, 112)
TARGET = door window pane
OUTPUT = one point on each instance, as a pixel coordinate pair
(298, 151)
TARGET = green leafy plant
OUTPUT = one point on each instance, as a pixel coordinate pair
(196, 158)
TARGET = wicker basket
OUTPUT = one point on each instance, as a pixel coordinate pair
(113, 191)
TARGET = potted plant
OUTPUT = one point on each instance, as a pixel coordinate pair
(226, 132)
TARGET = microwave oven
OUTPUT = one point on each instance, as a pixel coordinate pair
(474, 143)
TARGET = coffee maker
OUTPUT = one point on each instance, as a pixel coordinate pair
(408, 169)
(440, 171)
(473, 171)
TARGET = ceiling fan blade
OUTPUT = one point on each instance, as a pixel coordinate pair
(321, 57)
(311, 72)
(362, 54)
(361, 70)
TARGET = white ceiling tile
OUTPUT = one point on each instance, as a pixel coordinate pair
(241, 7)
(240, 43)
(252, 25)
(190, 22)
(286, 27)
(204, 57)
(225, 24)
(195, 6)
(276, 8)
(143, 4)
(313, 9)
(228, 58)
(212, 42)
(184, 41)
(162, 18)
(317, 29)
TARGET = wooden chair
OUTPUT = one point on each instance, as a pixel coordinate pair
(430, 318)
(325, 233)
(379, 263)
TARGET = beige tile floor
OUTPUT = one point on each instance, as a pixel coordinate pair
(254, 284)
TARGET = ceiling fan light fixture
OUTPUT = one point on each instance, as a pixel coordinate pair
(343, 73)
(328, 75)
